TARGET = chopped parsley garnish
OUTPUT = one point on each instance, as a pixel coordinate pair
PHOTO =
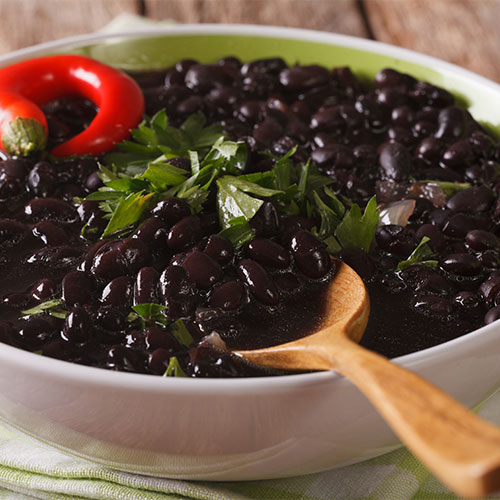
(174, 368)
(138, 176)
(54, 307)
(421, 255)
(181, 333)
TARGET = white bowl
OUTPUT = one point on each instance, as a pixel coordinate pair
(236, 429)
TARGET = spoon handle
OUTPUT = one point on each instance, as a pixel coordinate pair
(461, 449)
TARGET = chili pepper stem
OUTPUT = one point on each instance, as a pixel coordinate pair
(24, 137)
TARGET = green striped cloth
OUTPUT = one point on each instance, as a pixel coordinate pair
(29, 469)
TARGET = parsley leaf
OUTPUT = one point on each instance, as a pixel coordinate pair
(150, 313)
(174, 368)
(234, 202)
(449, 188)
(52, 307)
(356, 229)
(181, 333)
(421, 255)
(238, 233)
(128, 211)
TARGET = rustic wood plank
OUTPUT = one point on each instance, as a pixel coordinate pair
(464, 32)
(341, 16)
(26, 22)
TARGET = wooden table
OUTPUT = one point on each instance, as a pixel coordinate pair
(464, 32)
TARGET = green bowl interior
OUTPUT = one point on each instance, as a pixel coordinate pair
(160, 51)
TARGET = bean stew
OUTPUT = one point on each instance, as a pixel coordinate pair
(213, 225)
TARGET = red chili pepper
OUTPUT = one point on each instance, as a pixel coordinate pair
(118, 98)
(23, 126)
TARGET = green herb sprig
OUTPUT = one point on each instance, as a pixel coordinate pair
(421, 255)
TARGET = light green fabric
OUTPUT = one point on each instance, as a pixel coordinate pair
(29, 469)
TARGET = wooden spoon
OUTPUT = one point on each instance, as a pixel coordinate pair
(461, 449)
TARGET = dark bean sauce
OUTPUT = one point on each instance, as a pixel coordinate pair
(386, 139)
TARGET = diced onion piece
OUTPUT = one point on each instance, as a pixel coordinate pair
(397, 212)
(214, 341)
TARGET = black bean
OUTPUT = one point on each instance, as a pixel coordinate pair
(93, 182)
(482, 144)
(395, 239)
(184, 233)
(390, 77)
(335, 155)
(125, 359)
(304, 77)
(258, 281)
(462, 264)
(437, 241)
(50, 208)
(42, 179)
(43, 290)
(88, 208)
(152, 232)
(108, 262)
(458, 225)
(118, 292)
(489, 259)
(310, 255)
(430, 149)
(77, 326)
(146, 286)
(432, 305)
(468, 301)
(376, 114)
(267, 131)
(492, 315)
(111, 318)
(51, 234)
(434, 284)
(158, 337)
(158, 360)
(400, 135)
(402, 116)
(451, 123)
(480, 240)
(219, 249)
(77, 288)
(135, 254)
(458, 155)
(327, 119)
(472, 200)
(490, 288)
(61, 256)
(426, 94)
(228, 296)
(189, 106)
(272, 65)
(12, 177)
(36, 330)
(395, 162)
(172, 281)
(268, 253)
(392, 96)
(204, 77)
(201, 269)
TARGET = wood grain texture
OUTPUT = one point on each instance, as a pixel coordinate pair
(464, 32)
(43, 20)
(340, 16)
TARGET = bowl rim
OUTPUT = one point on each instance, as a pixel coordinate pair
(268, 384)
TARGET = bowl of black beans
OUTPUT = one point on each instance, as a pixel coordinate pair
(129, 273)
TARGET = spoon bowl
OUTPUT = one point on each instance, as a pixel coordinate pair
(461, 449)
